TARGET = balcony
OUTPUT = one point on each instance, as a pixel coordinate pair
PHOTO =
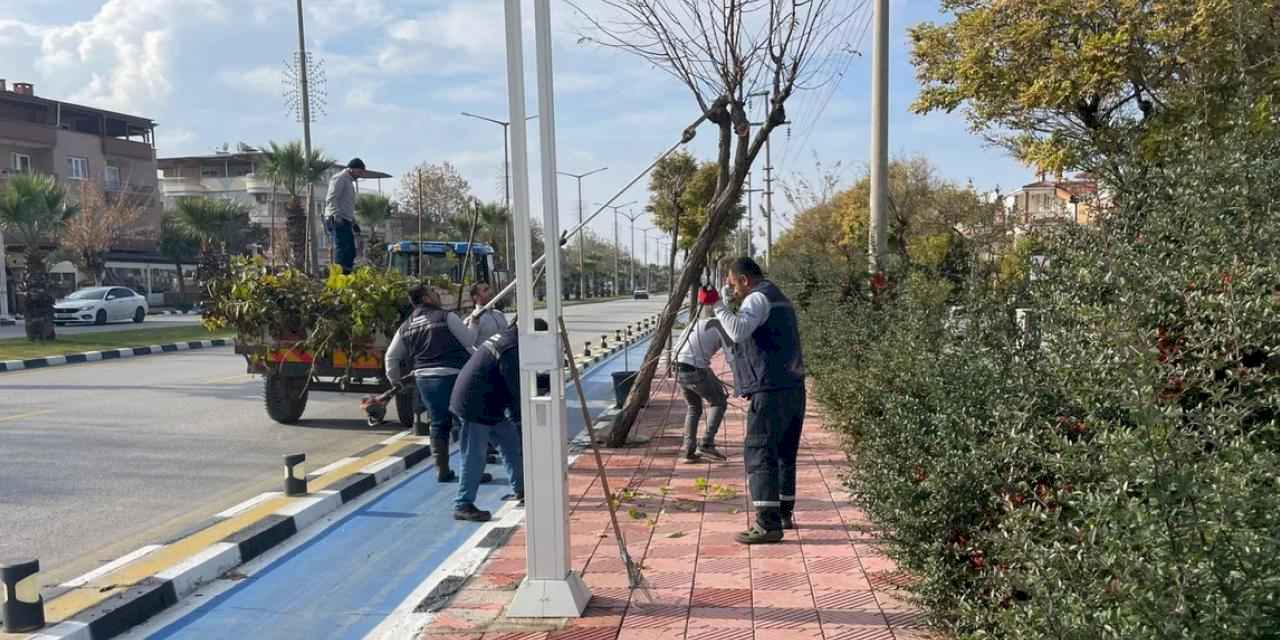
(28, 133)
(127, 149)
(182, 187)
(257, 185)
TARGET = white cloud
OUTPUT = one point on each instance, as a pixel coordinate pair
(264, 79)
(469, 94)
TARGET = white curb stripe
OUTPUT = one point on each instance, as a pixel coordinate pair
(306, 511)
(68, 630)
(385, 469)
(249, 504)
(109, 567)
(205, 566)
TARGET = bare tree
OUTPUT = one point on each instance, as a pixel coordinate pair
(103, 221)
(725, 52)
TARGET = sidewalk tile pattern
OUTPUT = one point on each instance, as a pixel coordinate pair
(828, 580)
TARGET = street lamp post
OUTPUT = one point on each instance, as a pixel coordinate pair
(582, 237)
(617, 246)
(878, 245)
(5, 318)
(632, 219)
(506, 176)
(648, 273)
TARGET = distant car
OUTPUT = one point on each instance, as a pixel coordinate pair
(101, 305)
(640, 294)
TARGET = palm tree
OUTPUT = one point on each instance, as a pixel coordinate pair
(178, 245)
(220, 226)
(373, 209)
(33, 209)
(290, 169)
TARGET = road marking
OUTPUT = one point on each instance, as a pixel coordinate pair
(25, 415)
(109, 567)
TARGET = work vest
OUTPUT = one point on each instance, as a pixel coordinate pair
(482, 393)
(771, 359)
(426, 334)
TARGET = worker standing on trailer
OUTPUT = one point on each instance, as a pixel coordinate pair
(340, 213)
(486, 400)
(490, 322)
(700, 342)
(437, 345)
(768, 370)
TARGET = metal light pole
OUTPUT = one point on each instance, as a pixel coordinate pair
(648, 273)
(582, 237)
(632, 219)
(550, 587)
(306, 136)
(878, 240)
(506, 175)
(617, 246)
(5, 318)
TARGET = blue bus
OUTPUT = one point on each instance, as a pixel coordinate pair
(437, 258)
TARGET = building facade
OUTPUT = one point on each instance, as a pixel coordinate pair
(1055, 200)
(74, 144)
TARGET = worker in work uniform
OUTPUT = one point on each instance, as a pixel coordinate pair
(490, 322)
(486, 400)
(437, 344)
(699, 383)
(768, 370)
(340, 213)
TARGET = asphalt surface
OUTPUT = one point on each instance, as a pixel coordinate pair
(100, 459)
(18, 330)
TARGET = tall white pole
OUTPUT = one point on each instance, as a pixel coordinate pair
(550, 587)
(5, 318)
(878, 242)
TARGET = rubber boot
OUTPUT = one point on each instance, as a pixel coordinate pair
(440, 448)
(787, 511)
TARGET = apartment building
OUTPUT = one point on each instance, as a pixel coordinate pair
(76, 143)
(1055, 200)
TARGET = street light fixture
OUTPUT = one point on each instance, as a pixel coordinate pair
(506, 176)
(582, 237)
(632, 219)
(648, 271)
(617, 246)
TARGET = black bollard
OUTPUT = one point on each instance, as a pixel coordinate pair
(295, 474)
(23, 607)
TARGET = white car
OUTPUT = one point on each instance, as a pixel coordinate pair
(101, 305)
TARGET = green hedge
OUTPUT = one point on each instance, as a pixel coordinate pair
(1117, 477)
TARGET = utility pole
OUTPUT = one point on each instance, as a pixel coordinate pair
(421, 203)
(768, 194)
(878, 241)
(306, 138)
(582, 237)
(5, 318)
(617, 246)
(506, 175)
(644, 255)
(632, 219)
(751, 232)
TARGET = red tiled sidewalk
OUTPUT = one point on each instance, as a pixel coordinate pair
(826, 580)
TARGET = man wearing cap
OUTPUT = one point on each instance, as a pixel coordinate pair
(340, 213)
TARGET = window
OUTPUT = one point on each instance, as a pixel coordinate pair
(21, 163)
(113, 177)
(77, 168)
(211, 172)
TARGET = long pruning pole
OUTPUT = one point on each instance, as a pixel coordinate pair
(685, 138)
(633, 570)
(466, 260)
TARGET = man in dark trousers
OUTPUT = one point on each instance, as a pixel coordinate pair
(437, 344)
(768, 370)
(340, 213)
(487, 392)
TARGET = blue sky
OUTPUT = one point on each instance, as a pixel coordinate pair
(400, 71)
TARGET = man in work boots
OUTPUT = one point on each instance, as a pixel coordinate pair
(768, 370)
(699, 383)
(437, 344)
(487, 392)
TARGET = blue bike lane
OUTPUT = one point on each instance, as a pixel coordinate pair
(345, 580)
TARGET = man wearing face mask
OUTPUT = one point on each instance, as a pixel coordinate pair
(768, 370)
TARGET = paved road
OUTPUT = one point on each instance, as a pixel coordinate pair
(153, 322)
(101, 459)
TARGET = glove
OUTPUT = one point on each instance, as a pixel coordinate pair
(708, 296)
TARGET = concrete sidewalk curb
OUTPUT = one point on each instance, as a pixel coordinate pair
(260, 524)
(142, 599)
(172, 312)
(111, 354)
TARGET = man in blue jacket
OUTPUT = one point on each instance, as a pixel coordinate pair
(768, 370)
(486, 400)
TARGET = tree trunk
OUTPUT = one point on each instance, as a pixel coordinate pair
(296, 226)
(39, 308)
(689, 276)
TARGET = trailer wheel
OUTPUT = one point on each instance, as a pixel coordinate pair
(285, 397)
(405, 406)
